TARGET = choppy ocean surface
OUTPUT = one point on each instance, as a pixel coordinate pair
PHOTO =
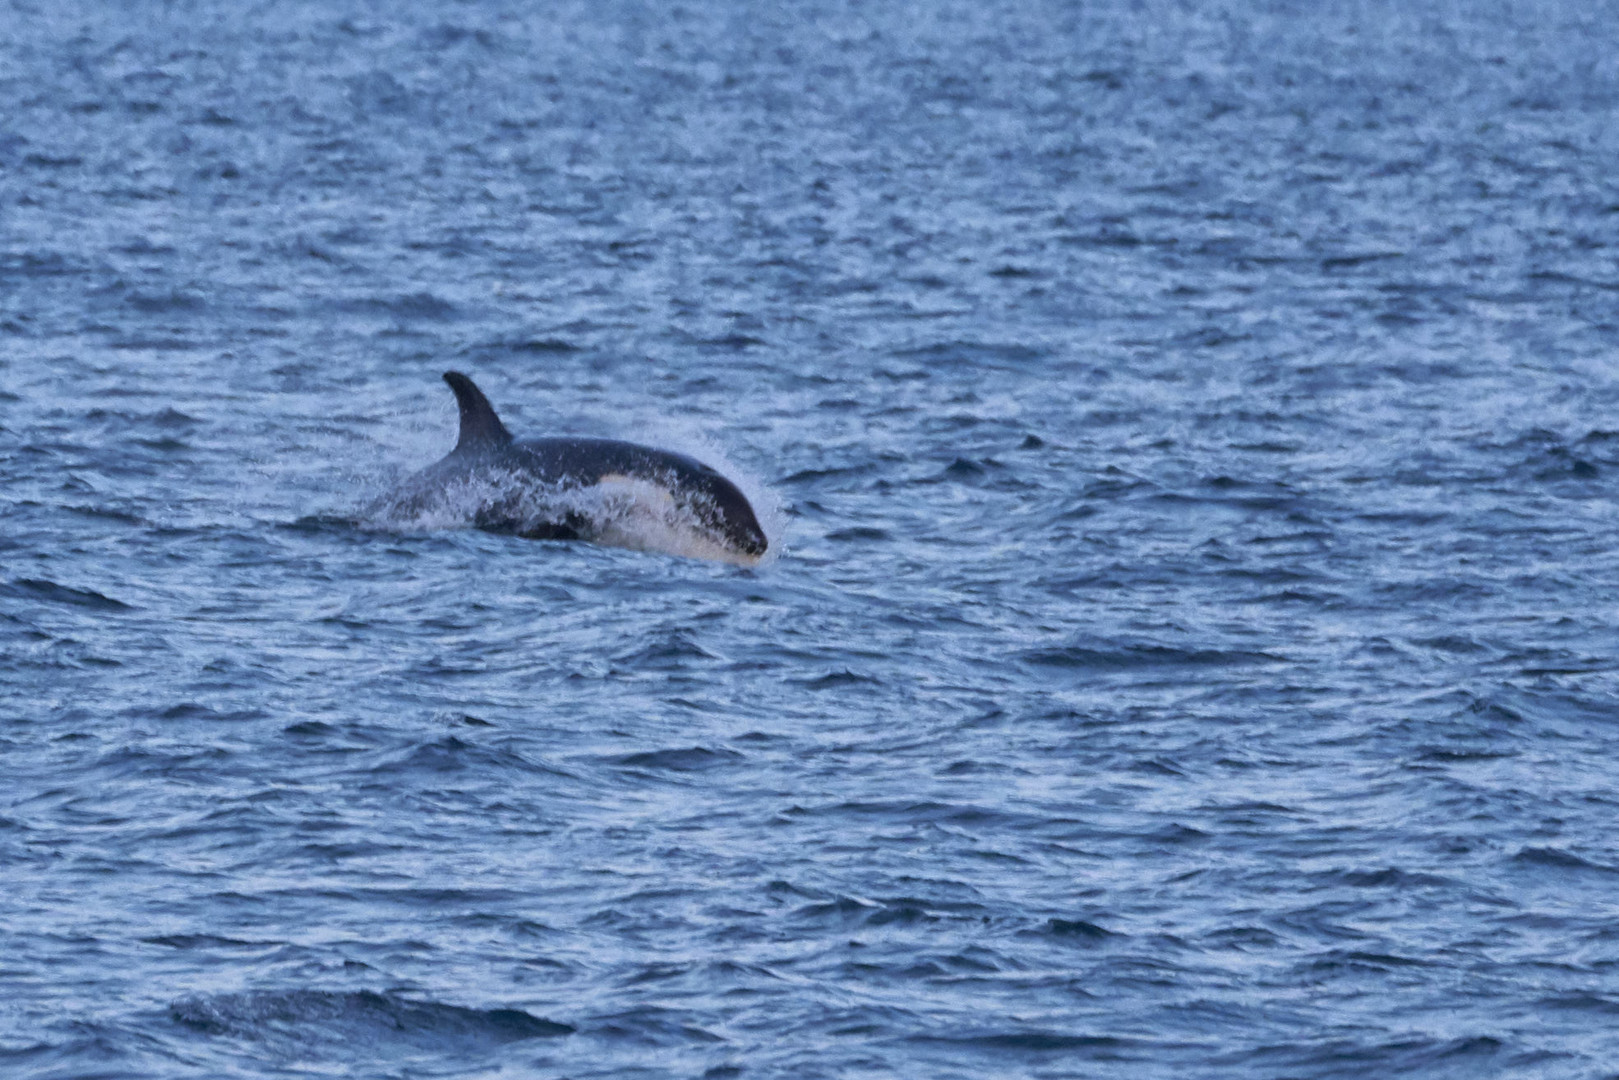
(1189, 439)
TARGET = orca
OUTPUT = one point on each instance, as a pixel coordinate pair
(600, 490)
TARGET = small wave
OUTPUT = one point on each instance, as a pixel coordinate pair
(840, 910)
(1561, 860)
(1034, 1041)
(300, 1017)
(976, 356)
(165, 302)
(417, 306)
(542, 345)
(42, 589)
(452, 755)
(191, 710)
(1408, 1057)
(807, 476)
(203, 941)
(671, 651)
(1242, 938)
(1456, 644)
(1077, 930)
(1350, 960)
(107, 513)
(321, 523)
(691, 759)
(895, 910)
(1176, 833)
(838, 678)
(859, 532)
(1136, 656)
(1582, 1003)
(1390, 878)
(651, 1025)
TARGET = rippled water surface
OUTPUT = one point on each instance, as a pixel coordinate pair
(1189, 440)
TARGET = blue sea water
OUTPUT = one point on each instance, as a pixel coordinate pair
(1189, 438)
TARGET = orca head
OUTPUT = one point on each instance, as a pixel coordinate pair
(726, 510)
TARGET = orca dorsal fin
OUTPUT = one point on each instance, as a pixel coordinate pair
(481, 429)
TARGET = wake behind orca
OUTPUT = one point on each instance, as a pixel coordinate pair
(601, 490)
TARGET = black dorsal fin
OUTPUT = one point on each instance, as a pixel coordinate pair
(481, 429)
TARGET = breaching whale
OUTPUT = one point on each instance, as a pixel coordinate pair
(602, 490)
